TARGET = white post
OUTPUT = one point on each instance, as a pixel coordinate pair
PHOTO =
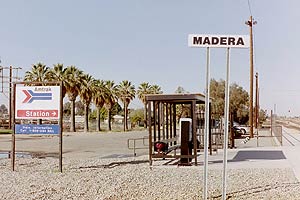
(206, 124)
(226, 124)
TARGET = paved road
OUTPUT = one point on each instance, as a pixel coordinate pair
(264, 153)
(78, 145)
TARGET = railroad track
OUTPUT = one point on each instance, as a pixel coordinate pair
(290, 138)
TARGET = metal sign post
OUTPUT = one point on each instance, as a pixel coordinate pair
(13, 146)
(226, 112)
(217, 41)
(60, 122)
(206, 123)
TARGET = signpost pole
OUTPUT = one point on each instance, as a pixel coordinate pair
(206, 124)
(61, 127)
(13, 146)
(226, 112)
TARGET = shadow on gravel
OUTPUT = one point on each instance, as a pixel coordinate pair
(115, 164)
(259, 155)
(255, 155)
(249, 192)
(118, 156)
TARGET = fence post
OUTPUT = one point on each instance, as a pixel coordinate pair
(271, 121)
(257, 137)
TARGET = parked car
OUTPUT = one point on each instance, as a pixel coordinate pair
(237, 132)
(243, 128)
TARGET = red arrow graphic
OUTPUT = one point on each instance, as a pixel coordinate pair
(54, 114)
(28, 96)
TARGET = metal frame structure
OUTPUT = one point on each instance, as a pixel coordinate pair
(161, 111)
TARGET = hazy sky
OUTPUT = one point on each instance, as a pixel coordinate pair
(143, 40)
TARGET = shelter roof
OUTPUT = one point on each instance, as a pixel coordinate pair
(176, 98)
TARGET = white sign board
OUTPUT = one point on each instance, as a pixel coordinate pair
(37, 102)
(219, 41)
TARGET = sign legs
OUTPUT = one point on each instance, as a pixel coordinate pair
(226, 126)
(206, 124)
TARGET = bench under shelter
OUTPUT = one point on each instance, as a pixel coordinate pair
(163, 126)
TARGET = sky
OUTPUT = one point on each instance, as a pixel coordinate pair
(147, 41)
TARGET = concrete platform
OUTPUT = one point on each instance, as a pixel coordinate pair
(262, 152)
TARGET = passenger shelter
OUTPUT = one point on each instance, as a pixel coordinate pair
(167, 132)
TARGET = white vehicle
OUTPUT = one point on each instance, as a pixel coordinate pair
(243, 128)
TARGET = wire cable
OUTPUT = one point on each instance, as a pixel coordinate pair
(249, 6)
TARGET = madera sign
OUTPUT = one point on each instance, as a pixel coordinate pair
(37, 102)
(225, 41)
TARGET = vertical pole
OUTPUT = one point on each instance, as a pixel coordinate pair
(2, 78)
(134, 148)
(167, 121)
(257, 137)
(150, 131)
(210, 136)
(256, 100)
(174, 122)
(258, 114)
(226, 111)
(231, 132)
(251, 78)
(163, 120)
(10, 96)
(206, 122)
(271, 122)
(13, 146)
(171, 121)
(193, 114)
(158, 120)
(154, 118)
(61, 128)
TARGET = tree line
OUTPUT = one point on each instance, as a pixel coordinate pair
(238, 104)
(102, 93)
(106, 94)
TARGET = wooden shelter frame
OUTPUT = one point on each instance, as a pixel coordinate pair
(161, 118)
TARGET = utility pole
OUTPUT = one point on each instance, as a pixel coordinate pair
(256, 102)
(10, 97)
(8, 82)
(250, 23)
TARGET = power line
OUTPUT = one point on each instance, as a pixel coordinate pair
(249, 6)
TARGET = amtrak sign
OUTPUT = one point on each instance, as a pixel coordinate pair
(221, 41)
(37, 102)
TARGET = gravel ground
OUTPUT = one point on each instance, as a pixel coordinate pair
(132, 178)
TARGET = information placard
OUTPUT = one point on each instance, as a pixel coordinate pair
(37, 129)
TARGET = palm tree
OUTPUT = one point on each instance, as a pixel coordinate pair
(144, 89)
(110, 99)
(39, 73)
(126, 93)
(99, 96)
(72, 85)
(86, 96)
(59, 73)
(156, 89)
